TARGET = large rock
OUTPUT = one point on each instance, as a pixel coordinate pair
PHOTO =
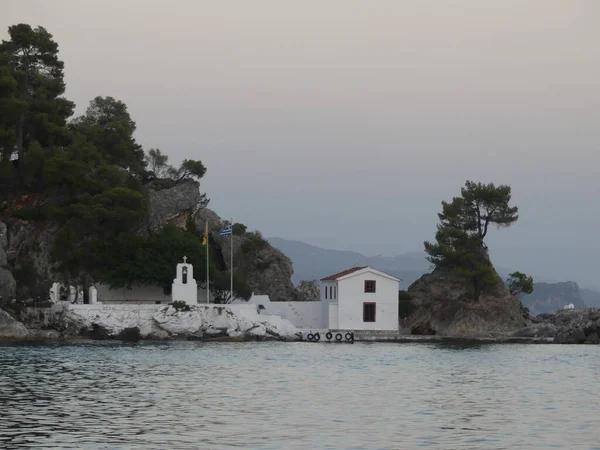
(30, 253)
(445, 305)
(309, 291)
(170, 202)
(179, 323)
(11, 328)
(3, 244)
(8, 286)
(574, 326)
(162, 322)
(267, 270)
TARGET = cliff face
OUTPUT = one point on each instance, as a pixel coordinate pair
(169, 203)
(444, 305)
(267, 270)
(7, 282)
(550, 297)
(26, 247)
(28, 260)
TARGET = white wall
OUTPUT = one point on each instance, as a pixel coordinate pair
(303, 315)
(140, 294)
(351, 296)
(333, 316)
(137, 294)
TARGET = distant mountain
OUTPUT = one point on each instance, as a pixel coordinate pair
(590, 297)
(313, 263)
(550, 297)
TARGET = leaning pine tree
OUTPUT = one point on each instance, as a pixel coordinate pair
(459, 245)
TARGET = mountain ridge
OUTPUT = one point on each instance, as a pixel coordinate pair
(311, 262)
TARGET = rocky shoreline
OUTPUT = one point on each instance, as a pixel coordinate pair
(145, 322)
(577, 326)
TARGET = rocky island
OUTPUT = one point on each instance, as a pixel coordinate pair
(84, 204)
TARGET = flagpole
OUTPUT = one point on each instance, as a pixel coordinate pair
(207, 265)
(231, 263)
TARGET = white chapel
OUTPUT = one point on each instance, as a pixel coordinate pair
(184, 286)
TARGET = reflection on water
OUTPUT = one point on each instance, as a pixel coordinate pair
(180, 395)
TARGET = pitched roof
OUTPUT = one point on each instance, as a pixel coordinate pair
(335, 276)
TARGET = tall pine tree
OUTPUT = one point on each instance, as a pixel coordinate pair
(464, 223)
(31, 56)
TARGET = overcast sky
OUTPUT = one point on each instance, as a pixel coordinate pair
(344, 123)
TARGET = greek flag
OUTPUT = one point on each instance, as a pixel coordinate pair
(226, 231)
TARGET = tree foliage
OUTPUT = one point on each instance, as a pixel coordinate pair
(109, 127)
(518, 283)
(85, 176)
(464, 223)
(31, 57)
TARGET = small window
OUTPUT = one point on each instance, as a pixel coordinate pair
(184, 275)
(369, 312)
(370, 286)
(326, 292)
(335, 292)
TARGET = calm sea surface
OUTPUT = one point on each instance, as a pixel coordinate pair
(181, 395)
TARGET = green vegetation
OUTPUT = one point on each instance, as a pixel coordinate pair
(405, 305)
(86, 176)
(464, 223)
(254, 243)
(518, 283)
(239, 229)
(180, 305)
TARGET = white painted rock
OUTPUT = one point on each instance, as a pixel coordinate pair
(179, 322)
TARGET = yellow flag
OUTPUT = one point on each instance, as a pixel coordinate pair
(205, 237)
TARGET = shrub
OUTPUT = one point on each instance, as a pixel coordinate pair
(239, 229)
(180, 305)
(254, 243)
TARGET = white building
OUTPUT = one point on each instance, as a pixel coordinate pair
(361, 298)
(184, 288)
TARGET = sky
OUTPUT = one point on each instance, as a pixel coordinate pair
(345, 123)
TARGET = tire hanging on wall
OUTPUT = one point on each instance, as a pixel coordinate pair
(349, 336)
(317, 336)
(338, 337)
(310, 336)
(329, 335)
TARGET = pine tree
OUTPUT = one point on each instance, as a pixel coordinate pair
(464, 223)
(31, 56)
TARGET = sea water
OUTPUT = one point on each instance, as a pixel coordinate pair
(186, 395)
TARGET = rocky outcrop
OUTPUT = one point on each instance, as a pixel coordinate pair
(567, 326)
(166, 322)
(8, 285)
(11, 328)
(170, 202)
(550, 297)
(267, 270)
(29, 257)
(445, 305)
(309, 291)
(29, 249)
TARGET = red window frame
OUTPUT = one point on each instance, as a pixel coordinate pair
(374, 311)
(374, 286)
